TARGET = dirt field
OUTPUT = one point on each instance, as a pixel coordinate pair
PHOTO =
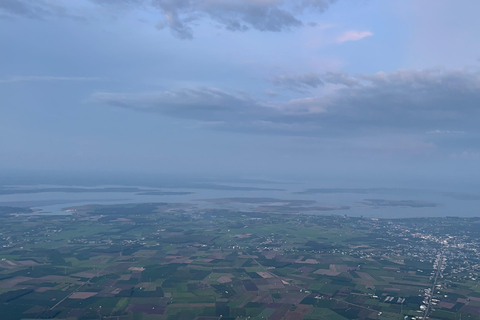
(82, 295)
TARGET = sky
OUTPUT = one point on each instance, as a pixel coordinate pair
(250, 88)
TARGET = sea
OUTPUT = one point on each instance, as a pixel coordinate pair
(371, 202)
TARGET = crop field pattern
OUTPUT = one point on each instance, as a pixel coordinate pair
(167, 261)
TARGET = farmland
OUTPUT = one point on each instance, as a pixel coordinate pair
(171, 261)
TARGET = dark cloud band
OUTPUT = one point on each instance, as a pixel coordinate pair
(180, 15)
(408, 101)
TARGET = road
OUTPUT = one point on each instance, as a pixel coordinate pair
(437, 273)
(87, 282)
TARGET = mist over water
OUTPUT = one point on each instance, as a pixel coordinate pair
(351, 197)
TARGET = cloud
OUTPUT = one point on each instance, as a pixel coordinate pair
(271, 93)
(34, 9)
(24, 8)
(340, 78)
(299, 83)
(302, 83)
(234, 15)
(119, 2)
(401, 102)
(45, 78)
(320, 5)
(180, 16)
(353, 35)
(466, 155)
(206, 104)
(445, 132)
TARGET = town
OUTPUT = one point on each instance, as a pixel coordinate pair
(170, 261)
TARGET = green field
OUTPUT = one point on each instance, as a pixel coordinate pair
(158, 261)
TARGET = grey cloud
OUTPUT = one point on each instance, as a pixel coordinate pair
(119, 2)
(233, 15)
(204, 104)
(271, 93)
(303, 82)
(445, 132)
(340, 78)
(320, 5)
(258, 17)
(299, 83)
(401, 102)
(178, 27)
(26, 8)
(36, 9)
(432, 96)
(45, 78)
(466, 155)
(180, 15)
(212, 108)
(408, 101)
